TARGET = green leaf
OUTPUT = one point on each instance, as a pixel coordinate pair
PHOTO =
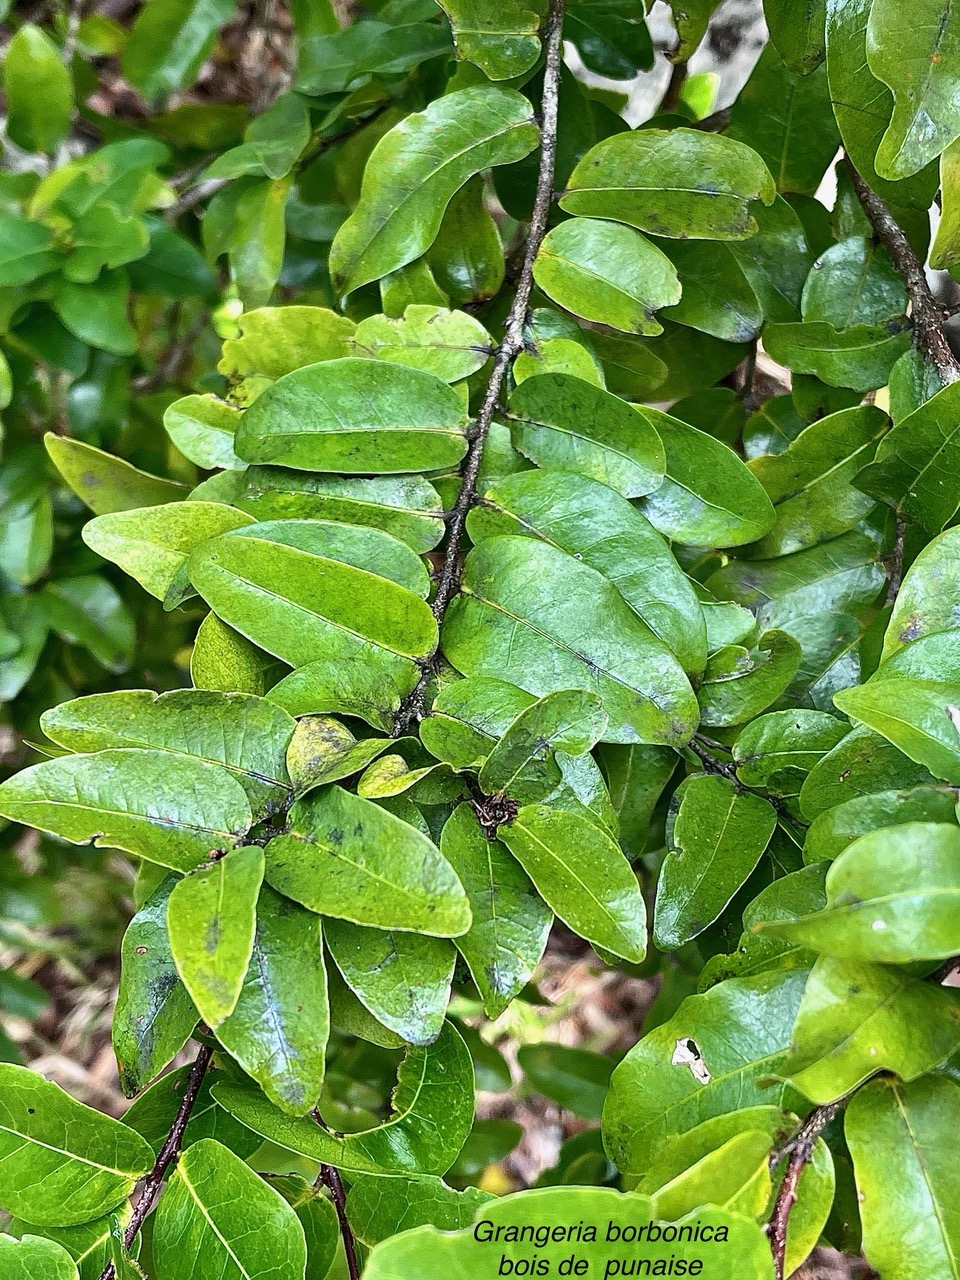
(811, 483)
(431, 1117)
(27, 251)
(403, 979)
(716, 1055)
(466, 258)
(414, 171)
(107, 484)
(606, 272)
(636, 776)
(62, 1163)
(777, 751)
(203, 1222)
(709, 497)
(860, 764)
(169, 41)
(736, 1177)
(917, 62)
(582, 874)
(39, 89)
(860, 358)
(88, 611)
(248, 736)
(317, 1216)
(797, 31)
(379, 1208)
(154, 1016)
(607, 1217)
(153, 1112)
(717, 296)
(522, 764)
(226, 662)
(575, 1079)
(274, 341)
(451, 345)
(891, 898)
(510, 924)
(611, 37)
(917, 464)
(502, 37)
(593, 523)
(211, 918)
(918, 716)
(895, 1132)
(739, 683)
(278, 1030)
(531, 614)
(854, 283)
(331, 60)
(834, 829)
(355, 416)
(246, 221)
(324, 750)
(858, 1019)
(33, 1256)
(565, 424)
(657, 181)
(347, 857)
(945, 251)
(718, 837)
(203, 429)
(929, 596)
(153, 544)
(99, 313)
(172, 811)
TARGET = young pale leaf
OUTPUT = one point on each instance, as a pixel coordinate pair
(918, 716)
(607, 272)
(402, 978)
(678, 183)
(716, 1055)
(565, 424)
(522, 765)
(203, 1222)
(279, 1027)
(105, 483)
(719, 836)
(510, 923)
(62, 1163)
(929, 596)
(533, 615)
(451, 345)
(33, 1257)
(355, 417)
(276, 340)
(501, 37)
(709, 497)
(379, 1208)
(735, 1177)
(324, 750)
(154, 1016)
(211, 919)
(203, 429)
(347, 857)
(432, 1116)
(224, 661)
(433, 1255)
(153, 544)
(248, 736)
(414, 171)
(172, 811)
(892, 898)
(857, 1019)
(604, 531)
(907, 1180)
(917, 60)
(582, 874)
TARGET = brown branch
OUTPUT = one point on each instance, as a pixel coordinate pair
(329, 1177)
(926, 312)
(169, 1152)
(799, 1152)
(511, 346)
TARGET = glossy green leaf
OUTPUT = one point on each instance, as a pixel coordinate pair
(717, 296)
(62, 1162)
(777, 751)
(466, 258)
(154, 1016)
(918, 716)
(739, 683)
(891, 898)
(858, 1019)
(203, 429)
(431, 1117)
(906, 1181)
(211, 919)
(522, 764)
(403, 979)
(718, 837)
(565, 424)
(860, 357)
(32, 1256)
(347, 857)
(331, 59)
(414, 171)
(169, 41)
(203, 1221)
(854, 283)
(831, 831)
(172, 811)
(278, 1029)
(449, 344)
(107, 484)
(607, 272)
(355, 416)
(379, 1208)
(501, 38)
(678, 183)
(582, 874)
(39, 89)
(861, 764)
(929, 596)
(797, 31)
(735, 1177)
(510, 924)
(533, 615)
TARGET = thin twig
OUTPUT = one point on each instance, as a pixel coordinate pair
(895, 563)
(169, 1152)
(926, 312)
(509, 349)
(799, 1152)
(329, 1177)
